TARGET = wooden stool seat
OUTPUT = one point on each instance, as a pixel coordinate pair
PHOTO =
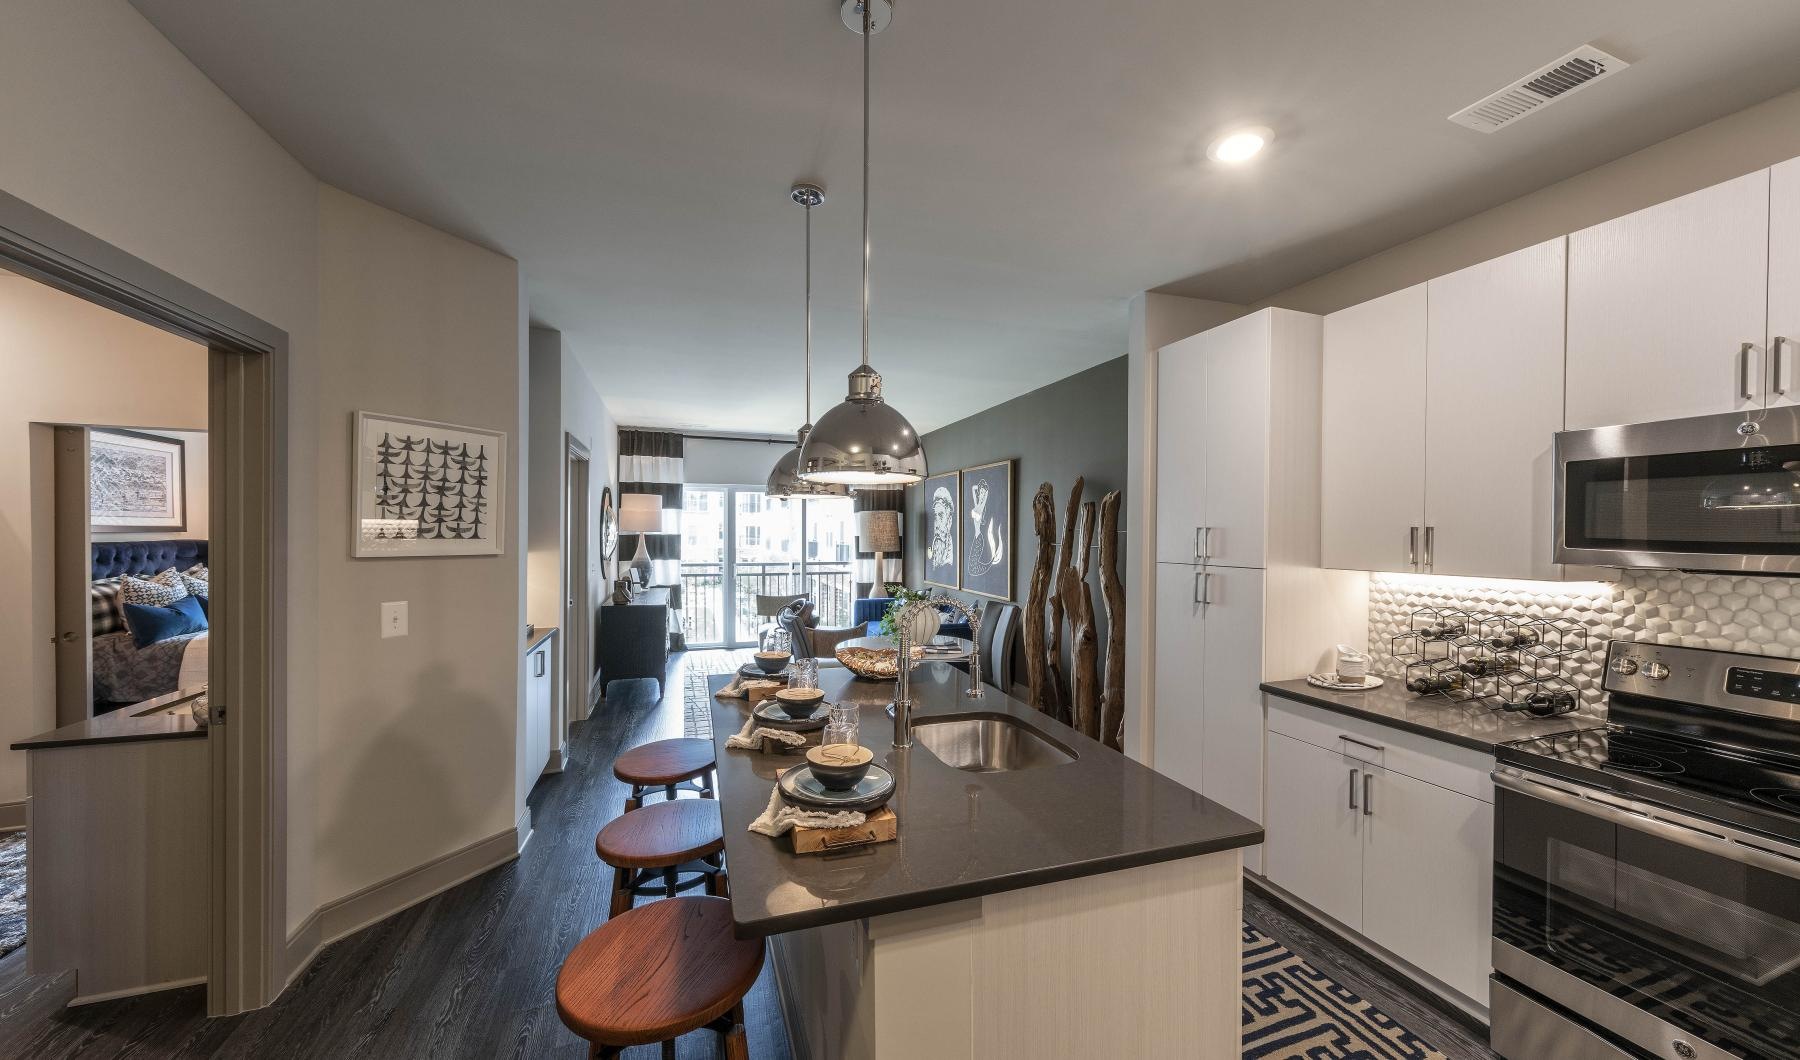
(662, 834)
(658, 972)
(664, 762)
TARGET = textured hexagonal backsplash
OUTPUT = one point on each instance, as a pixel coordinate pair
(1729, 612)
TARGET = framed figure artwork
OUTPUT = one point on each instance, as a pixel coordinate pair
(987, 525)
(424, 488)
(942, 529)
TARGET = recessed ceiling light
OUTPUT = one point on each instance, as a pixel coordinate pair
(1239, 145)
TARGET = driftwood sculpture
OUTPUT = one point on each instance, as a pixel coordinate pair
(1037, 662)
(1112, 591)
(1058, 693)
(1060, 595)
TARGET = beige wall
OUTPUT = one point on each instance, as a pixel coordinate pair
(1732, 146)
(420, 730)
(53, 349)
(117, 134)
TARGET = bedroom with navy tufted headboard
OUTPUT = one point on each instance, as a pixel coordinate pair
(144, 558)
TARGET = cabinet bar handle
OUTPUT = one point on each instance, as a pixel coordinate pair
(1206, 542)
(1353, 774)
(1205, 587)
(1199, 598)
(1363, 743)
(1412, 548)
(540, 664)
(1198, 554)
(1744, 370)
(1780, 365)
(1368, 794)
(1430, 547)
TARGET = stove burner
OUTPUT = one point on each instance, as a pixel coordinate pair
(1637, 741)
(1634, 762)
(1781, 798)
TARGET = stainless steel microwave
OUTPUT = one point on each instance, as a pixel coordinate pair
(1711, 493)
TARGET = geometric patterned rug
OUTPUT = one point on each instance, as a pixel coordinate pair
(12, 892)
(1293, 1010)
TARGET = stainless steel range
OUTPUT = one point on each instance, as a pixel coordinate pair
(1647, 875)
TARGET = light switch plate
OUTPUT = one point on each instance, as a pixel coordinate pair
(393, 619)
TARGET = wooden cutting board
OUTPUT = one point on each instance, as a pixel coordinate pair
(881, 827)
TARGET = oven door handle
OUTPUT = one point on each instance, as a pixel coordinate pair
(1692, 832)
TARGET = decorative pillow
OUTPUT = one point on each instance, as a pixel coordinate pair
(194, 586)
(160, 591)
(104, 603)
(198, 570)
(152, 625)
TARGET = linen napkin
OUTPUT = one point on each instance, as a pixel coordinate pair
(750, 737)
(780, 818)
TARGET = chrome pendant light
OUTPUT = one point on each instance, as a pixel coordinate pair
(864, 442)
(785, 480)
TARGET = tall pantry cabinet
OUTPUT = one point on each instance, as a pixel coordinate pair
(1240, 595)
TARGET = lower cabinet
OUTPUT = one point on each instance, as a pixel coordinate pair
(540, 703)
(1354, 831)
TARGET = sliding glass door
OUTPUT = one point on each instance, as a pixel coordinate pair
(739, 544)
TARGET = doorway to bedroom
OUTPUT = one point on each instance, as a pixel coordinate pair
(108, 556)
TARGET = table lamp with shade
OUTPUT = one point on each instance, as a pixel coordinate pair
(641, 514)
(878, 532)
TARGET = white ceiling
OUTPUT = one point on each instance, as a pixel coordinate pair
(1036, 163)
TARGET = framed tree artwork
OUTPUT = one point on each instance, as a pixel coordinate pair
(424, 488)
(987, 521)
(942, 529)
(136, 482)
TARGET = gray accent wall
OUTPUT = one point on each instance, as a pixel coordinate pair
(1074, 427)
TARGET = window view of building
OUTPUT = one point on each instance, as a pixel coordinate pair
(778, 547)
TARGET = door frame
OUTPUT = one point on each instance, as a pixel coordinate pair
(248, 373)
(578, 597)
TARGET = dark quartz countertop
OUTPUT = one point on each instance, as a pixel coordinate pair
(962, 834)
(1481, 726)
(152, 719)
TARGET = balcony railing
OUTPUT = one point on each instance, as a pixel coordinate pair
(705, 617)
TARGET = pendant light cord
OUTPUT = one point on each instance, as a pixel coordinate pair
(808, 419)
(868, 31)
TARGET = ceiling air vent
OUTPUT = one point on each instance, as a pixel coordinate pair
(1576, 70)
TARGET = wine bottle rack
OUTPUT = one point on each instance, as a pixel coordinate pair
(1511, 662)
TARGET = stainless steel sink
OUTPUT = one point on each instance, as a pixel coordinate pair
(987, 744)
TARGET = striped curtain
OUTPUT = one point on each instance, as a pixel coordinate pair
(886, 500)
(651, 462)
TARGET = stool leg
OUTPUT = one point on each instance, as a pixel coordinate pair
(668, 1050)
(669, 792)
(605, 1052)
(669, 881)
(635, 799)
(621, 895)
(737, 1046)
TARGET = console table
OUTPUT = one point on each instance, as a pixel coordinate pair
(634, 637)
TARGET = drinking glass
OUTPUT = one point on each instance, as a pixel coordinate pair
(843, 724)
(803, 673)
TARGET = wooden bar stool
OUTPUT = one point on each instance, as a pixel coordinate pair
(666, 764)
(653, 847)
(657, 972)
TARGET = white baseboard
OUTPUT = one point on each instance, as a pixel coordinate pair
(134, 991)
(378, 901)
(12, 816)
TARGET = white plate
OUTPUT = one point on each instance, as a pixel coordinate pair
(1331, 681)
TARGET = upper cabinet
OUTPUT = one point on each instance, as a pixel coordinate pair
(1372, 460)
(1442, 403)
(1784, 283)
(1226, 400)
(1668, 307)
(1493, 405)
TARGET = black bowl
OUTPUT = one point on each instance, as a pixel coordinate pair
(798, 707)
(835, 774)
(772, 662)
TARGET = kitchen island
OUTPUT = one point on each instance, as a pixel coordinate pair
(1079, 905)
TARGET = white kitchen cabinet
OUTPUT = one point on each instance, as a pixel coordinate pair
(1235, 430)
(1314, 845)
(1180, 445)
(1389, 834)
(1662, 304)
(1180, 673)
(1493, 405)
(1784, 283)
(1231, 742)
(1372, 461)
(540, 702)
(1428, 878)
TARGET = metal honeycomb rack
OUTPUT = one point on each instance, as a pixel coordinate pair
(1512, 662)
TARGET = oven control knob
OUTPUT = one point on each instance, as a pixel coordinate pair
(1656, 671)
(1624, 666)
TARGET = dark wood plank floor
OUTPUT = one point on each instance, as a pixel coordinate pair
(469, 973)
